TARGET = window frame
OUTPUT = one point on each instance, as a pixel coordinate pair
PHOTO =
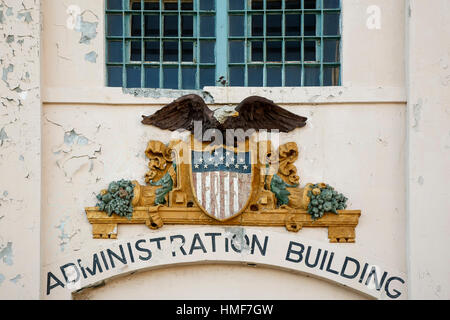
(222, 38)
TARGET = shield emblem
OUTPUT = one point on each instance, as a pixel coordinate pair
(222, 181)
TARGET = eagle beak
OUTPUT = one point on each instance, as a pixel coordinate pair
(235, 114)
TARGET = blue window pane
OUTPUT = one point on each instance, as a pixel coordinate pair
(170, 76)
(236, 25)
(273, 24)
(257, 51)
(115, 52)
(135, 26)
(206, 4)
(152, 77)
(293, 50)
(257, 5)
(114, 4)
(274, 76)
(188, 77)
(207, 26)
(331, 76)
(274, 51)
(135, 5)
(257, 25)
(310, 25)
(154, 5)
(135, 48)
(293, 4)
(237, 5)
(207, 52)
(133, 77)
(274, 4)
(293, 76)
(170, 5)
(187, 54)
(151, 25)
(187, 26)
(331, 4)
(114, 76)
(331, 24)
(115, 27)
(170, 51)
(185, 5)
(255, 76)
(152, 51)
(310, 4)
(312, 76)
(237, 76)
(170, 26)
(293, 25)
(310, 51)
(331, 51)
(236, 51)
(207, 77)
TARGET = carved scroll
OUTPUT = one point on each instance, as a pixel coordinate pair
(162, 173)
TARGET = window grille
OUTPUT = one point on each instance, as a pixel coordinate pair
(189, 44)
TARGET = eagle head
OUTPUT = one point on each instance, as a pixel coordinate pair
(222, 113)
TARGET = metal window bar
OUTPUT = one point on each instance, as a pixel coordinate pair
(265, 44)
(302, 45)
(161, 33)
(197, 43)
(222, 53)
(283, 44)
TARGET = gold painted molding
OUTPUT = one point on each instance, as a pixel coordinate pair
(341, 227)
(175, 203)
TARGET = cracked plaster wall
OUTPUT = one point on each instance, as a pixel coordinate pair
(97, 144)
(20, 149)
(93, 135)
(428, 148)
(86, 145)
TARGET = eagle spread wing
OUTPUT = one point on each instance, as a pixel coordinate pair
(254, 113)
(181, 114)
(261, 113)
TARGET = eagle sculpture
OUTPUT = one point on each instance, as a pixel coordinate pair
(254, 112)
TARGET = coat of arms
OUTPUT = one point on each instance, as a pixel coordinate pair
(223, 173)
(221, 181)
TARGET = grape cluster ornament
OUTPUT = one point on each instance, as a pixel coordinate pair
(117, 198)
(323, 198)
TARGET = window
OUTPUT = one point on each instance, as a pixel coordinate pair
(189, 44)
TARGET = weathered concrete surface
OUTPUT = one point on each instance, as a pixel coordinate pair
(358, 149)
(355, 140)
(428, 131)
(20, 149)
(73, 43)
(372, 56)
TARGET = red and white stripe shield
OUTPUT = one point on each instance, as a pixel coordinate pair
(221, 181)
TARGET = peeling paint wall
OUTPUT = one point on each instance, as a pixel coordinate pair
(355, 139)
(74, 43)
(93, 135)
(363, 141)
(20, 149)
(428, 130)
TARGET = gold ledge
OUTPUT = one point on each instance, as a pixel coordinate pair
(341, 227)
